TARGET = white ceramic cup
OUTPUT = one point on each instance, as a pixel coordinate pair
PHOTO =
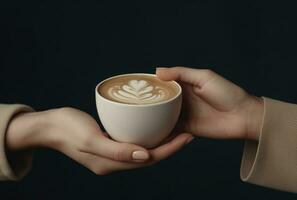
(145, 125)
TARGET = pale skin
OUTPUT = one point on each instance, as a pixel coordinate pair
(77, 135)
(212, 107)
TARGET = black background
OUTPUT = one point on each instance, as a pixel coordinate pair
(53, 53)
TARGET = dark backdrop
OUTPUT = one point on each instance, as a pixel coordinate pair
(53, 53)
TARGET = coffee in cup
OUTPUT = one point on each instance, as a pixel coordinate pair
(138, 89)
(138, 108)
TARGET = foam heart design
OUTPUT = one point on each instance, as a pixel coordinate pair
(137, 92)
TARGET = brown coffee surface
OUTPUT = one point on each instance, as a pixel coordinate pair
(138, 89)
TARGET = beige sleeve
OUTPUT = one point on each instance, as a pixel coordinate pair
(18, 167)
(272, 161)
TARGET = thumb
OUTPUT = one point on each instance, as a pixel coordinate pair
(211, 87)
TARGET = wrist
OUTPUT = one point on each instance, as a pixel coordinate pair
(25, 131)
(254, 118)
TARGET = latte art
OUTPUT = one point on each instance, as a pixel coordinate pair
(138, 92)
(138, 89)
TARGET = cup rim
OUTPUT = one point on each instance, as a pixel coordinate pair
(137, 105)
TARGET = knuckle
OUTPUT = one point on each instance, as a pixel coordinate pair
(62, 112)
(208, 73)
(65, 109)
(178, 68)
(179, 71)
(117, 155)
(241, 94)
(120, 153)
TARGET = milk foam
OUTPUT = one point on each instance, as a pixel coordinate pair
(138, 92)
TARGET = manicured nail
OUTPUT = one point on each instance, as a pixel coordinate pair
(189, 140)
(140, 155)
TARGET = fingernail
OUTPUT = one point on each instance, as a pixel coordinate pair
(189, 140)
(140, 155)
